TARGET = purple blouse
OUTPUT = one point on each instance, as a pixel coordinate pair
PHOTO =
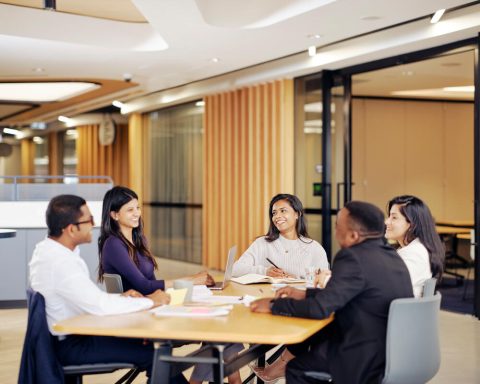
(115, 259)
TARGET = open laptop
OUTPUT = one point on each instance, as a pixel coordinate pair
(228, 270)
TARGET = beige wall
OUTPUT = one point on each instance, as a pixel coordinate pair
(419, 148)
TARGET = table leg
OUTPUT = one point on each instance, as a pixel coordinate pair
(218, 370)
(161, 369)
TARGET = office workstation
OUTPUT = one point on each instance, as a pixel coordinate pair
(207, 134)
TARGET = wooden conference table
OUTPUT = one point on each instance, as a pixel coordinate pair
(262, 331)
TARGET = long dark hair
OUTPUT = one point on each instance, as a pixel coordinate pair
(296, 204)
(115, 199)
(422, 226)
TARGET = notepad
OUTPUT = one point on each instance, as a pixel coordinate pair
(253, 278)
(182, 311)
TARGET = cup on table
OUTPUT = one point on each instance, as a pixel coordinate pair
(181, 284)
(310, 273)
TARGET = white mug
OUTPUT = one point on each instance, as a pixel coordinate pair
(180, 284)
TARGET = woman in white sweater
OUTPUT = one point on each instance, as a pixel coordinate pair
(286, 250)
(411, 224)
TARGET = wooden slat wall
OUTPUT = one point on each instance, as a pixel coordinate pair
(248, 158)
(136, 153)
(96, 159)
(27, 149)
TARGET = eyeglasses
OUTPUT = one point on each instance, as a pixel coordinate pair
(91, 221)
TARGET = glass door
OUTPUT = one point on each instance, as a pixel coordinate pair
(322, 143)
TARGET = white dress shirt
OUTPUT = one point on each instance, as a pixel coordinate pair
(62, 277)
(290, 255)
(416, 257)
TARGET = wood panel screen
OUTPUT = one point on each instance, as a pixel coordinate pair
(248, 158)
(103, 160)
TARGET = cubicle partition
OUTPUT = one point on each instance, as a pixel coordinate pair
(22, 207)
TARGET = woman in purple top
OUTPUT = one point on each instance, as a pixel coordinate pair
(122, 245)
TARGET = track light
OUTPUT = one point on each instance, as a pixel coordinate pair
(118, 104)
(437, 16)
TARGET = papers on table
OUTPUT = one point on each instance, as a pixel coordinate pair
(184, 311)
(253, 278)
(201, 292)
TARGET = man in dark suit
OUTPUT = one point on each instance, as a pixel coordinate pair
(367, 275)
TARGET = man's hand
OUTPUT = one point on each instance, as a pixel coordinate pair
(131, 293)
(261, 306)
(159, 298)
(291, 293)
(322, 278)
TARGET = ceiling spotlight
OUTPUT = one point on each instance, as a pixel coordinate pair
(214, 59)
(314, 36)
(118, 104)
(68, 121)
(437, 16)
(312, 50)
(200, 103)
(50, 5)
(11, 131)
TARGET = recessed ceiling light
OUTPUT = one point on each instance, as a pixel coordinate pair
(315, 36)
(38, 70)
(466, 88)
(214, 59)
(200, 103)
(42, 92)
(118, 104)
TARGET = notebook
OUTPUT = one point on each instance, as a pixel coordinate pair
(228, 270)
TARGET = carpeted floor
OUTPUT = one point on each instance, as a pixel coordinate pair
(453, 293)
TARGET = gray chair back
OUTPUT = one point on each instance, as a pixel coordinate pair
(429, 287)
(113, 283)
(413, 348)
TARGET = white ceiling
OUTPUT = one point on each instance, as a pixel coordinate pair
(239, 33)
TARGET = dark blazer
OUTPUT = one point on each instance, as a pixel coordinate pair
(39, 363)
(365, 279)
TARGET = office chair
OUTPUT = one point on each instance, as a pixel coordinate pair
(429, 287)
(39, 363)
(413, 347)
(113, 283)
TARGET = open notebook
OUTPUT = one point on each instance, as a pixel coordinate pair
(253, 278)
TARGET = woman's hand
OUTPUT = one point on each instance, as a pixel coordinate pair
(202, 278)
(277, 272)
(131, 293)
(291, 293)
(322, 278)
(159, 298)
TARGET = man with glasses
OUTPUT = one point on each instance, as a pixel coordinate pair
(59, 273)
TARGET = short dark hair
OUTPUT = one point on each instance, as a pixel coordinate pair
(367, 219)
(301, 227)
(422, 226)
(62, 211)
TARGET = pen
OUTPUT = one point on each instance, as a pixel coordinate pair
(271, 262)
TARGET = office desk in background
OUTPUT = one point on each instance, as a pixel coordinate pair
(453, 260)
(262, 331)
